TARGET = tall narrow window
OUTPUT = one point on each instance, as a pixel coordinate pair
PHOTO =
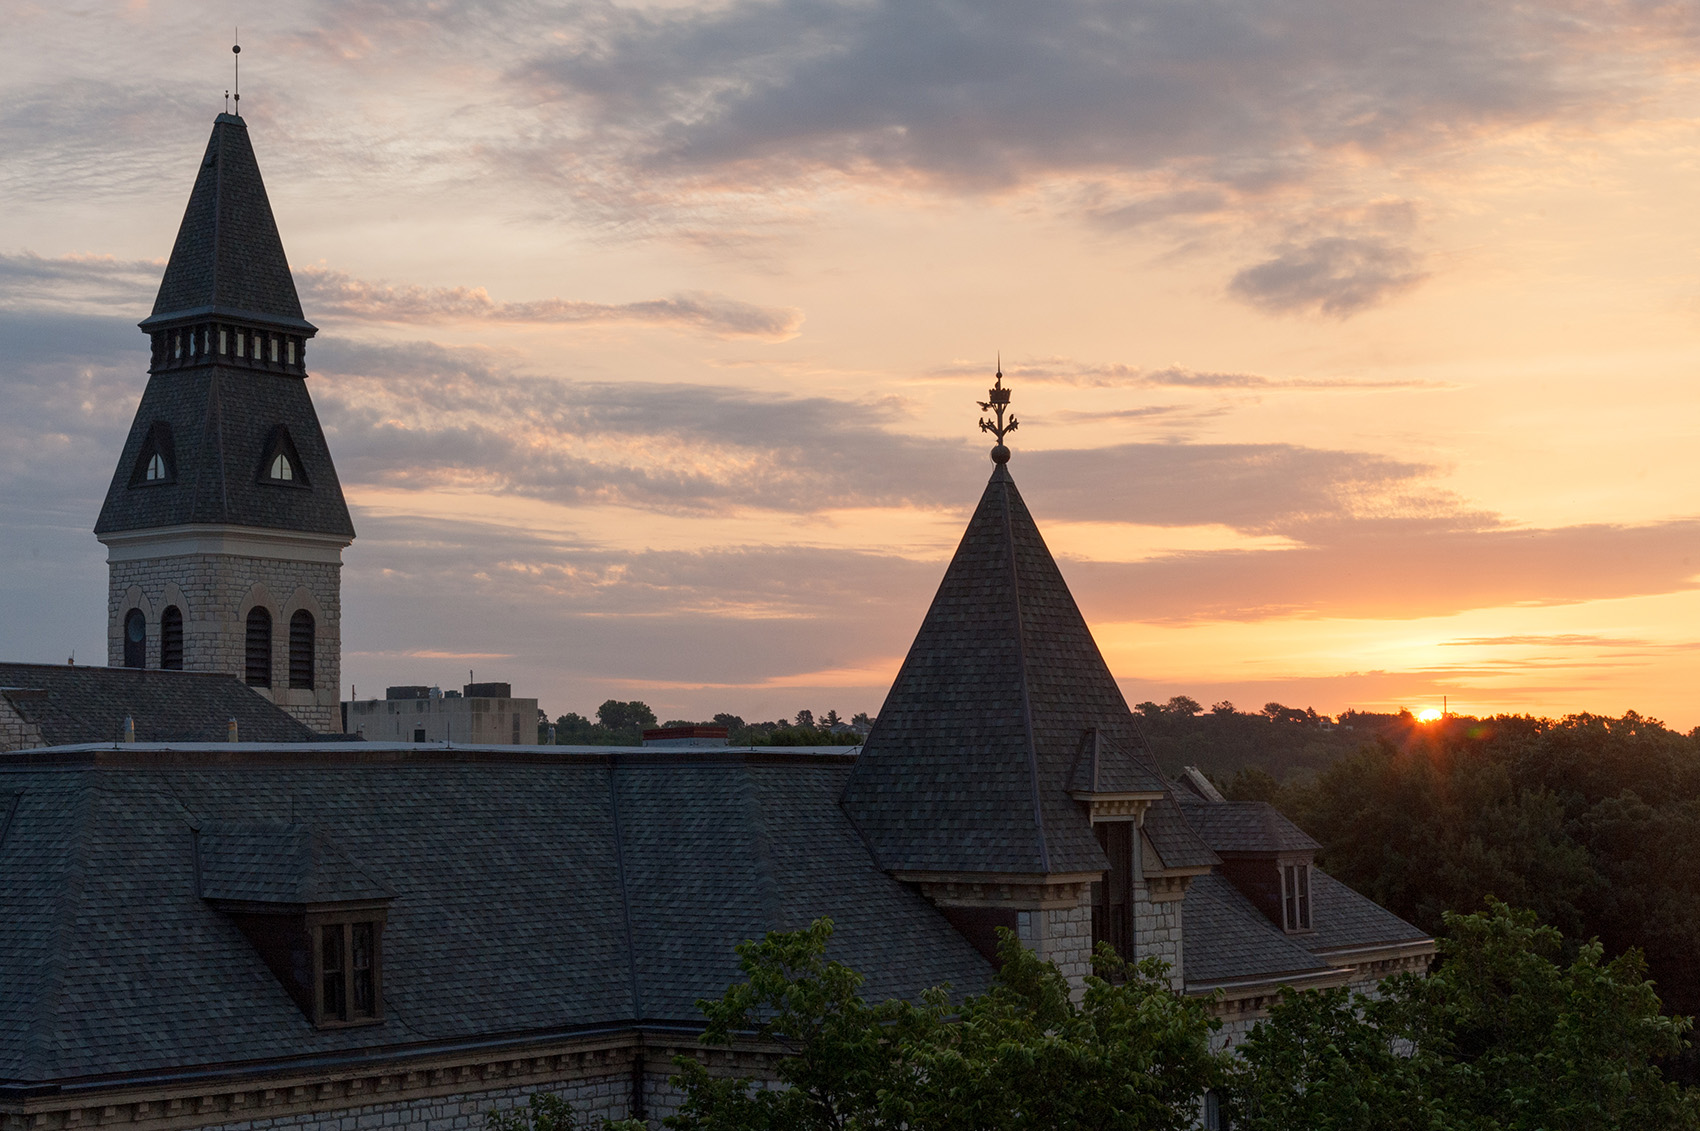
(177, 349)
(301, 649)
(348, 970)
(274, 349)
(259, 655)
(241, 342)
(331, 972)
(171, 639)
(135, 639)
(223, 340)
(1295, 897)
(291, 348)
(363, 971)
(1112, 897)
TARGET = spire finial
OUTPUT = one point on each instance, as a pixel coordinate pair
(236, 50)
(997, 400)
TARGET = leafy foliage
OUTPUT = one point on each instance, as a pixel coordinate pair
(1578, 819)
(1502, 1036)
(1024, 1055)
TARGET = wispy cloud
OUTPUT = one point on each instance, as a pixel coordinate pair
(1119, 375)
(102, 281)
(336, 294)
(1332, 275)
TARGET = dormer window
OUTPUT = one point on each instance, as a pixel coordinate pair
(315, 917)
(156, 462)
(1295, 897)
(281, 463)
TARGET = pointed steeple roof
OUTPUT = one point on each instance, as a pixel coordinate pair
(228, 259)
(978, 749)
(227, 391)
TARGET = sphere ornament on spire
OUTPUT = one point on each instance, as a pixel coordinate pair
(997, 401)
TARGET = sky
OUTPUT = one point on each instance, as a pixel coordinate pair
(1353, 342)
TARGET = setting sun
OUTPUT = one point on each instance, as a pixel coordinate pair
(1429, 715)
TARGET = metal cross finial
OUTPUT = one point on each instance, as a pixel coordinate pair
(997, 401)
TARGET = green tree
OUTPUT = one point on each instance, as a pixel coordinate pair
(1131, 1054)
(623, 717)
(1504, 1036)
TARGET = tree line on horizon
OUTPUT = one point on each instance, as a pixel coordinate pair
(622, 723)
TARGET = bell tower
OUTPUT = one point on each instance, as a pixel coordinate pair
(225, 523)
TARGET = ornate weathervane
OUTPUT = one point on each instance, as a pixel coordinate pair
(997, 400)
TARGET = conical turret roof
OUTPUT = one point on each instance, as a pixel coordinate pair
(979, 746)
(228, 258)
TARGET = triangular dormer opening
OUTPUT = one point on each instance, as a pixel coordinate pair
(281, 464)
(156, 463)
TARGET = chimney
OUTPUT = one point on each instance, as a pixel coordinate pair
(230, 730)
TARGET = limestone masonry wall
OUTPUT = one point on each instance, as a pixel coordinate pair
(1157, 932)
(16, 733)
(1063, 936)
(215, 593)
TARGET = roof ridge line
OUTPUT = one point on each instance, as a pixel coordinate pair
(619, 836)
(1021, 669)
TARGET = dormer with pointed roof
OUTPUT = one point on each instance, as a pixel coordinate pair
(225, 521)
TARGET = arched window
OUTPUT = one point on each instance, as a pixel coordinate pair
(171, 639)
(281, 469)
(259, 655)
(135, 639)
(301, 649)
(156, 466)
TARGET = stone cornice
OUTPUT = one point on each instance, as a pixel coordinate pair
(222, 538)
(245, 1093)
(1022, 892)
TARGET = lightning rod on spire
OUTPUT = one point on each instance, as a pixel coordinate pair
(236, 50)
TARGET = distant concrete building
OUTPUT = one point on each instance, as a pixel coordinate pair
(482, 713)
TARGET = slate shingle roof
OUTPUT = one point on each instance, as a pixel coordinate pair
(1345, 919)
(533, 892)
(1244, 826)
(279, 862)
(969, 766)
(228, 261)
(1174, 839)
(1226, 937)
(221, 419)
(85, 704)
(228, 256)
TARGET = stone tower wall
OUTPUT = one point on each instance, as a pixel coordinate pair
(215, 593)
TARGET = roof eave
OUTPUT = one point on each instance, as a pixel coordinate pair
(164, 320)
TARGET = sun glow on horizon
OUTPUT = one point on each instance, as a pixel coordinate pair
(1429, 715)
